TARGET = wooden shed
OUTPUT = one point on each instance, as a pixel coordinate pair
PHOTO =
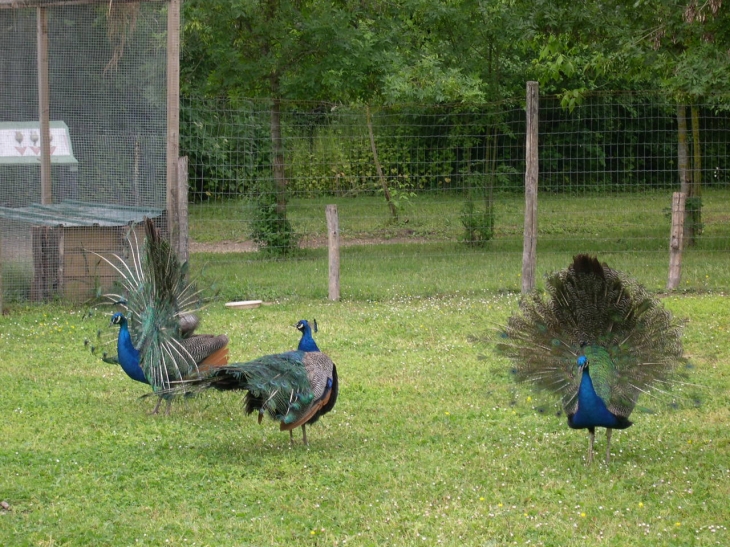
(65, 237)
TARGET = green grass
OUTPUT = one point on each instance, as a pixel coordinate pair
(607, 222)
(630, 231)
(384, 272)
(430, 442)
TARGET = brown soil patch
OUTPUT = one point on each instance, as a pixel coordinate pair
(308, 243)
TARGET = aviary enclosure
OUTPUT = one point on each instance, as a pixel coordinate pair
(99, 79)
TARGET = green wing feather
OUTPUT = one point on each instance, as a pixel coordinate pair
(632, 342)
(277, 384)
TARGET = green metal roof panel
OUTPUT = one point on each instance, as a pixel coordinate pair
(79, 213)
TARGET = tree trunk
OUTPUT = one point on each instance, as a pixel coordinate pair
(378, 168)
(277, 153)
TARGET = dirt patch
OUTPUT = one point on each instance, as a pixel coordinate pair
(307, 243)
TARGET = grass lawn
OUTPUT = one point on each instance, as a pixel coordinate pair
(630, 231)
(430, 442)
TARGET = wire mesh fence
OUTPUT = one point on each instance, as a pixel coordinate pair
(450, 180)
(103, 83)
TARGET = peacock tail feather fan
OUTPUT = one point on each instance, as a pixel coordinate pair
(631, 341)
(156, 342)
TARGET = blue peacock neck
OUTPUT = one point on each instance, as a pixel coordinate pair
(592, 411)
(127, 354)
(307, 343)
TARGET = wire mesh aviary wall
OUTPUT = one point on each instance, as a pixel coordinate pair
(100, 70)
(447, 182)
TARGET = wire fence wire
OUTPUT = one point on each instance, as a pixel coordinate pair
(451, 178)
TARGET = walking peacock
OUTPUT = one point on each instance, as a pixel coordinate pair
(294, 388)
(156, 343)
(598, 340)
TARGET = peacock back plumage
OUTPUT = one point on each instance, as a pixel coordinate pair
(294, 388)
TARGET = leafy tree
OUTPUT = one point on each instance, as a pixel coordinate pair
(679, 46)
(277, 49)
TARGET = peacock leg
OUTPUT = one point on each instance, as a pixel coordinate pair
(157, 406)
(304, 434)
(167, 408)
(291, 436)
(592, 439)
(608, 443)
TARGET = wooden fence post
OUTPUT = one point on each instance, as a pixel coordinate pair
(182, 207)
(44, 109)
(173, 122)
(333, 237)
(529, 245)
(675, 240)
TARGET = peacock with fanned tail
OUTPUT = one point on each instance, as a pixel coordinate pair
(157, 344)
(295, 388)
(598, 340)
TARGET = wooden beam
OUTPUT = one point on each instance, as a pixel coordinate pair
(182, 208)
(44, 108)
(173, 121)
(529, 246)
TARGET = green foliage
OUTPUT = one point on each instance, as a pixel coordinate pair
(226, 143)
(271, 229)
(401, 199)
(693, 208)
(478, 224)
(594, 142)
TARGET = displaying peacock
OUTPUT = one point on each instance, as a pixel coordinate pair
(598, 340)
(294, 388)
(157, 344)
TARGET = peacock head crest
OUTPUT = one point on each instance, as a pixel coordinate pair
(118, 319)
(304, 327)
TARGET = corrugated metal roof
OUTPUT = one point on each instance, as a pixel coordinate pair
(79, 213)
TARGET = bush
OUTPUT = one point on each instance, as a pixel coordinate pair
(478, 225)
(271, 230)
